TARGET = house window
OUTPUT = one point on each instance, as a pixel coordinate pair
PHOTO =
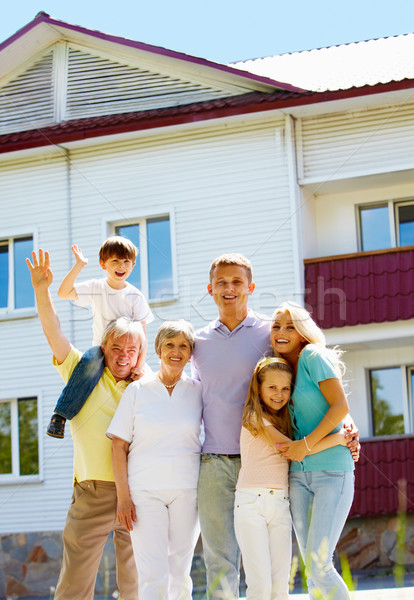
(19, 438)
(153, 272)
(392, 398)
(16, 290)
(386, 225)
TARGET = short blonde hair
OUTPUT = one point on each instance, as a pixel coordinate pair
(232, 259)
(170, 329)
(118, 246)
(123, 326)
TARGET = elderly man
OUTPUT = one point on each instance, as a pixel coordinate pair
(92, 514)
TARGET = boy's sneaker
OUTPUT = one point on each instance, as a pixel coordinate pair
(56, 427)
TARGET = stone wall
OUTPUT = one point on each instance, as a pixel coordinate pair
(31, 562)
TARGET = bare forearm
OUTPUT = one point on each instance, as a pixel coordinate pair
(67, 290)
(332, 419)
(58, 343)
(119, 465)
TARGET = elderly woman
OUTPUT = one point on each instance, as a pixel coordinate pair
(156, 455)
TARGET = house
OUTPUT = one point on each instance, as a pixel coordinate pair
(100, 134)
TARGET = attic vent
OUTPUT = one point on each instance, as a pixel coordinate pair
(98, 86)
(27, 102)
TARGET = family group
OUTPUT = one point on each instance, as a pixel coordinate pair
(279, 445)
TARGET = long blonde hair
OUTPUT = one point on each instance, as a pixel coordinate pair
(255, 410)
(307, 328)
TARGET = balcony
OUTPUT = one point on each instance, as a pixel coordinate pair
(384, 477)
(360, 288)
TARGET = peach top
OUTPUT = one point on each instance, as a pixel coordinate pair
(261, 466)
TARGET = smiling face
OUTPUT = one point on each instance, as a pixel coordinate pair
(230, 289)
(117, 271)
(175, 353)
(121, 355)
(275, 389)
(285, 339)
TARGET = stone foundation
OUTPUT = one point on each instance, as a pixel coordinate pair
(31, 562)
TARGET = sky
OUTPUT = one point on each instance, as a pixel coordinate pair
(224, 30)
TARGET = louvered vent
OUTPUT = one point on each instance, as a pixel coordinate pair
(27, 102)
(98, 86)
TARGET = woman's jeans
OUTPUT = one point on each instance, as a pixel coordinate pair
(320, 502)
(83, 380)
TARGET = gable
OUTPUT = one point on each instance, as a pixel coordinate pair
(68, 81)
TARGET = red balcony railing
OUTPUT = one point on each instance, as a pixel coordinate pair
(366, 287)
(384, 477)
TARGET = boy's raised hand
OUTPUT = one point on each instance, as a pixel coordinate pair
(40, 271)
(79, 257)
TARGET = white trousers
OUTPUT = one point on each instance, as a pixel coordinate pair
(263, 528)
(163, 540)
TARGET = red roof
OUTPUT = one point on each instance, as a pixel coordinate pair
(368, 287)
(384, 477)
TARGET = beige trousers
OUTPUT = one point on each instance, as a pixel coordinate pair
(91, 518)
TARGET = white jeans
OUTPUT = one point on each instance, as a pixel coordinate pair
(163, 540)
(264, 532)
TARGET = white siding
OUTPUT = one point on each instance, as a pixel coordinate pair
(228, 190)
(343, 145)
(28, 100)
(35, 195)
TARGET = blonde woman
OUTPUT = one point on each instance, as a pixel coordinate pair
(321, 484)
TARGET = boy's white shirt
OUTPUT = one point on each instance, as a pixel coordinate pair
(109, 304)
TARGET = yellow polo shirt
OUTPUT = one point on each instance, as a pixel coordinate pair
(91, 447)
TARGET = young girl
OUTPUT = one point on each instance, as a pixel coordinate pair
(261, 513)
(321, 484)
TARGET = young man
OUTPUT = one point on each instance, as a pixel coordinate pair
(92, 514)
(225, 354)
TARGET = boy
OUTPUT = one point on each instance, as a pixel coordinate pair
(225, 354)
(110, 298)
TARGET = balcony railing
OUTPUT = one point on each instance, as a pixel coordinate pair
(366, 287)
(384, 477)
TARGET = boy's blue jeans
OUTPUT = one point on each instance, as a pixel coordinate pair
(84, 378)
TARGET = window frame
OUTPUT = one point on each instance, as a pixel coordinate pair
(393, 206)
(407, 397)
(109, 228)
(15, 476)
(10, 311)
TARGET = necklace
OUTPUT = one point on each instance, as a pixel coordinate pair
(168, 386)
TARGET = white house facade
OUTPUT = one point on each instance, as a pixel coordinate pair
(191, 159)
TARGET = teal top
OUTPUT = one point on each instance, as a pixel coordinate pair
(308, 407)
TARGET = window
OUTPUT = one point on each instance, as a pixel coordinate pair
(386, 225)
(19, 437)
(16, 290)
(153, 272)
(392, 396)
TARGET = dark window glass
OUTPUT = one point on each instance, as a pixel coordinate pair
(406, 224)
(28, 436)
(5, 438)
(387, 401)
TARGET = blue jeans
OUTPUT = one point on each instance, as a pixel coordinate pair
(320, 502)
(216, 491)
(84, 378)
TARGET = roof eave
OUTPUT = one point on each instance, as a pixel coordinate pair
(62, 133)
(44, 18)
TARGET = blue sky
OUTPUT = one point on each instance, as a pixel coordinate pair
(225, 30)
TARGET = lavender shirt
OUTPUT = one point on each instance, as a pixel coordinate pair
(223, 361)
